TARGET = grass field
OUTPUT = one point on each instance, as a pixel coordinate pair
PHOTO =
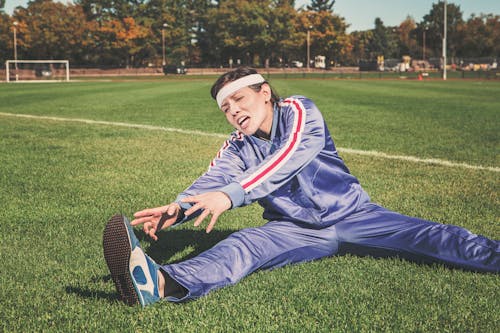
(60, 182)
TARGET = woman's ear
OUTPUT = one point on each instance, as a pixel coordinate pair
(266, 90)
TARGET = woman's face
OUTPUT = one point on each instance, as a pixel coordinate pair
(250, 111)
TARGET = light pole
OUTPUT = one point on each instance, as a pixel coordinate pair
(165, 25)
(309, 46)
(15, 23)
(444, 40)
(423, 51)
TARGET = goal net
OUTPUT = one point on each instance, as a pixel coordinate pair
(37, 70)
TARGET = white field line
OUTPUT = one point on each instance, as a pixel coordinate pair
(113, 123)
(372, 153)
(418, 160)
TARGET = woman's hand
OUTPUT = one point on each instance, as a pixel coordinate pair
(150, 218)
(211, 203)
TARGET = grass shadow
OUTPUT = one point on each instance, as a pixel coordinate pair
(172, 243)
(88, 293)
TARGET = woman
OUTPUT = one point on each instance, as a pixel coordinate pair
(282, 156)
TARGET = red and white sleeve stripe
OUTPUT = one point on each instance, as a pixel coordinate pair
(235, 136)
(284, 154)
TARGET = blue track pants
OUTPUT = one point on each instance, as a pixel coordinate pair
(373, 231)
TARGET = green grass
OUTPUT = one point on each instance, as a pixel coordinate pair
(60, 182)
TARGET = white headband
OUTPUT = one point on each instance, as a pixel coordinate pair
(236, 85)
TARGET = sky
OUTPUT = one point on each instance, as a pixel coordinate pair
(361, 14)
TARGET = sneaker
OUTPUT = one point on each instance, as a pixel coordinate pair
(134, 273)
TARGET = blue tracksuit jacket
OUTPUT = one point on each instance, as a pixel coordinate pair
(296, 176)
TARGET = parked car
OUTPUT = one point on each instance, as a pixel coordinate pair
(297, 64)
(174, 69)
(42, 70)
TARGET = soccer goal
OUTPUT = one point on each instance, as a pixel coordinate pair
(37, 70)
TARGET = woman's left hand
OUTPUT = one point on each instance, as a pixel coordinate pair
(211, 203)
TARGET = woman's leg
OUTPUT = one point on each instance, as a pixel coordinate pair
(379, 232)
(272, 245)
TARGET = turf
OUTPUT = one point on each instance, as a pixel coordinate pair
(61, 181)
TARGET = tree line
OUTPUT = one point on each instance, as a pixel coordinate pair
(138, 33)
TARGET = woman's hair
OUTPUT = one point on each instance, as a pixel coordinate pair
(235, 75)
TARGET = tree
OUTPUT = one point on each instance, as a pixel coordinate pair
(384, 41)
(283, 32)
(117, 9)
(6, 39)
(321, 5)
(361, 45)
(48, 30)
(185, 25)
(327, 33)
(257, 32)
(120, 38)
(239, 29)
(407, 38)
(493, 33)
(181, 23)
(122, 18)
(481, 36)
(435, 24)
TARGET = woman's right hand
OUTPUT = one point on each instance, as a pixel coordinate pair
(150, 218)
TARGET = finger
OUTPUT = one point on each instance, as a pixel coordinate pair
(166, 220)
(193, 209)
(142, 220)
(213, 220)
(152, 232)
(202, 216)
(144, 212)
(150, 229)
(169, 223)
(145, 227)
(194, 198)
(172, 210)
(150, 211)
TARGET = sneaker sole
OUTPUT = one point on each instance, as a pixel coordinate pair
(116, 245)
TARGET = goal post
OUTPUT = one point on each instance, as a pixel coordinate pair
(36, 70)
